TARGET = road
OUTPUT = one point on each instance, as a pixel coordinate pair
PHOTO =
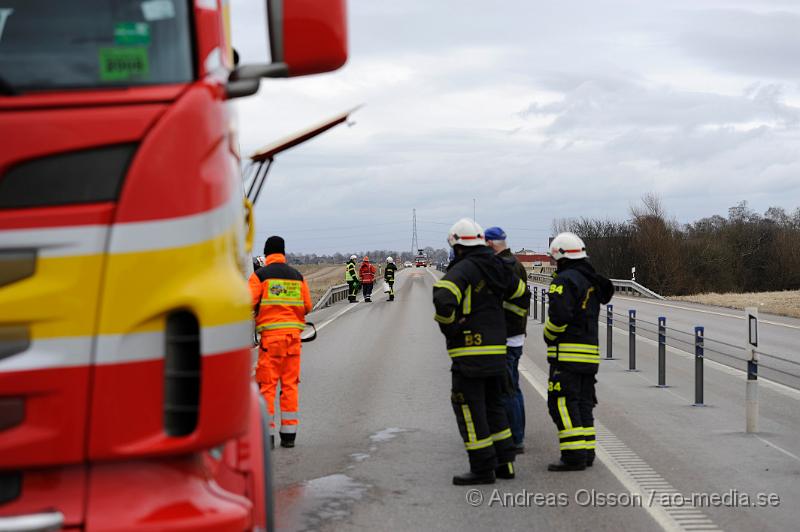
(378, 443)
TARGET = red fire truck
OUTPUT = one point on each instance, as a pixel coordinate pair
(126, 397)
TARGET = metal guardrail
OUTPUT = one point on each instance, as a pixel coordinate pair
(623, 286)
(334, 294)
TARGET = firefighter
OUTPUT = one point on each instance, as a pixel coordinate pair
(516, 322)
(573, 351)
(366, 274)
(469, 310)
(351, 278)
(388, 276)
(281, 300)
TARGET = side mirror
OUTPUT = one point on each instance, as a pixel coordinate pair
(305, 37)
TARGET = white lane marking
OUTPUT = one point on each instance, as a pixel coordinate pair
(633, 472)
(724, 368)
(327, 322)
(432, 275)
(778, 448)
(714, 312)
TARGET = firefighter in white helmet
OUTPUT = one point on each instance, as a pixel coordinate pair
(469, 310)
(573, 351)
(351, 278)
(388, 276)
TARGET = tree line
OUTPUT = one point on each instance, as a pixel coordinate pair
(745, 252)
(376, 255)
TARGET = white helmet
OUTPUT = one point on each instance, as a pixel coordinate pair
(466, 232)
(353, 257)
(389, 259)
(567, 246)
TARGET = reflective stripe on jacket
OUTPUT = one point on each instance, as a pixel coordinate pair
(280, 297)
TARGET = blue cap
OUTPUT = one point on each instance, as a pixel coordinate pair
(494, 233)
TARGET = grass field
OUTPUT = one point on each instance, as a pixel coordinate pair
(785, 303)
(320, 277)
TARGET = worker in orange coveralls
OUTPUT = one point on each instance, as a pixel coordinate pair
(281, 301)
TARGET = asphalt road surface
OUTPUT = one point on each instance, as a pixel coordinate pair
(378, 443)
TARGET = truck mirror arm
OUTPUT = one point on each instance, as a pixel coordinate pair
(245, 79)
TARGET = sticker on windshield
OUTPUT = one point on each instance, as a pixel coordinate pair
(4, 14)
(136, 33)
(121, 64)
(158, 9)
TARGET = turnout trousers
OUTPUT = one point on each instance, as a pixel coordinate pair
(570, 400)
(481, 417)
(390, 284)
(279, 361)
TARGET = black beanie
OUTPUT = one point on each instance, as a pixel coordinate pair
(274, 244)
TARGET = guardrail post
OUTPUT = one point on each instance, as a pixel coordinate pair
(632, 340)
(662, 352)
(544, 294)
(609, 332)
(535, 303)
(699, 334)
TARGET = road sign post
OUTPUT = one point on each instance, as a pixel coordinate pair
(751, 391)
(699, 334)
(535, 303)
(632, 340)
(609, 332)
(662, 352)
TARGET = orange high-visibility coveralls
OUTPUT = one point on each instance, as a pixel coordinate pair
(281, 300)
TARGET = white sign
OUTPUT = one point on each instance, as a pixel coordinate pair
(158, 9)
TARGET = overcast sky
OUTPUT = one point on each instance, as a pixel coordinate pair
(537, 109)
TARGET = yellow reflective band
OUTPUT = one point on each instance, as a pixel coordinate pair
(471, 438)
(519, 311)
(591, 445)
(287, 302)
(282, 325)
(589, 431)
(511, 468)
(555, 328)
(520, 289)
(477, 350)
(564, 413)
(502, 435)
(580, 348)
(586, 299)
(569, 433)
(446, 321)
(468, 301)
(449, 285)
(585, 359)
(479, 444)
(550, 336)
(572, 445)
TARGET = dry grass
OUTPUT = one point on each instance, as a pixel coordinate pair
(320, 277)
(785, 303)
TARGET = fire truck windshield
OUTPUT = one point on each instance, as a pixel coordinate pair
(90, 44)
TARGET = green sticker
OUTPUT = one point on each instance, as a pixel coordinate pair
(120, 64)
(132, 33)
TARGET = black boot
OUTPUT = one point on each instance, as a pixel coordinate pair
(505, 471)
(271, 441)
(471, 478)
(565, 466)
(287, 440)
(351, 299)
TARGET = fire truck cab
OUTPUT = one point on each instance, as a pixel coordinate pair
(126, 395)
